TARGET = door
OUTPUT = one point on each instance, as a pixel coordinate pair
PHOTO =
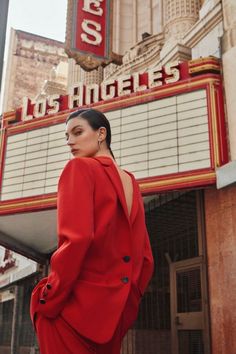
(174, 307)
(189, 325)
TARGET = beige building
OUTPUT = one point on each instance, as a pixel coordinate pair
(189, 306)
(33, 63)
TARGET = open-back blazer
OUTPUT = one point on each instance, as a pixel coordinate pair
(102, 252)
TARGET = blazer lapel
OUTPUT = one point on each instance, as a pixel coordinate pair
(114, 177)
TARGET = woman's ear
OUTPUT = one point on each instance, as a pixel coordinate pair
(102, 134)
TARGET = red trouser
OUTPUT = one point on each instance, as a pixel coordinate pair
(56, 336)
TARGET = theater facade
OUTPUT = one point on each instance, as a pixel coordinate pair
(169, 129)
(166, 81)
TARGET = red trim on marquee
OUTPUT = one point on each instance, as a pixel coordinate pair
(221, 128)
(209, 64)
(3, 145)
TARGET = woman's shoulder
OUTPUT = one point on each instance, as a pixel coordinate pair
(80, 165)
(82, 162)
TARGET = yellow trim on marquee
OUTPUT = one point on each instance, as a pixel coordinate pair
(32, 202)
(143, 186)
(205, 67)
(214, 126)
(177, 180)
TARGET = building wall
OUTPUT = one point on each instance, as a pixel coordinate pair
(210, 44)
(179, 30)
(31, 59)
(220, 211)
(228, 42)
(131, 19)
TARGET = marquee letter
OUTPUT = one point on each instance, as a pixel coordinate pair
(153, 76)
(174, 72)
(92, 94)
(136, 83)
(52, 102)
(87, 8)
(108, 89)
(76, 95)
(124, 85)
(40, 108)
(92, 28)
(24, 110)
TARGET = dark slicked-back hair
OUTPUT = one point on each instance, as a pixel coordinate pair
(96, 120)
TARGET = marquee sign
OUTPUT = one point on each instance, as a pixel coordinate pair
(89, 33)
(80, 94)
(168, 129)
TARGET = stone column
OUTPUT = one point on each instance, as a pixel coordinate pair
(17, 318)
(220, 216)
(229, 69)
(179, 17)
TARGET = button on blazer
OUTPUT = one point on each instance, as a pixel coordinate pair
(103, 253)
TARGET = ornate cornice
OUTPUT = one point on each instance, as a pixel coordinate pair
(34, 37)
(139, 57)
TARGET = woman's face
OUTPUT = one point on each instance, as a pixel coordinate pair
(81, 138)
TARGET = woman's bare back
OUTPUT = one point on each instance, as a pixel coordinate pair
(127, 187)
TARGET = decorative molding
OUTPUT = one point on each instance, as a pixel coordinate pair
(178, 52)
(141, 56)
(203, 26)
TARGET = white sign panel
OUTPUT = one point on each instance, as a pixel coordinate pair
(161, 137)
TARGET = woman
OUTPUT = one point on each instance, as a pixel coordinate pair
(103, 262)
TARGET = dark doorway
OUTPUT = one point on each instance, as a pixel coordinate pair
(176, 289)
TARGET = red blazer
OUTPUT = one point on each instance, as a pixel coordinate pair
(102, 254)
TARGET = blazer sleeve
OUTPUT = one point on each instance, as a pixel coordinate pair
(75, 233)
(147, 266)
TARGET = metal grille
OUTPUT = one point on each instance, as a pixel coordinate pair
(27, 334)
(190, 342)
(172, 225)
(189, 291)
(6, 312)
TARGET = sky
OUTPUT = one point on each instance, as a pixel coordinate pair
(46, 18)
(43, 17)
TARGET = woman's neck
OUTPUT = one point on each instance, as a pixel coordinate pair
(105, 153)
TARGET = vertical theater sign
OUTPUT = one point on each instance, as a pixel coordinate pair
(168, 128)
(89, 33)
